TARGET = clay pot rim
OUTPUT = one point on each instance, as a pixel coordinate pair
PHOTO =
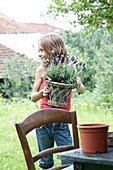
(92, 125)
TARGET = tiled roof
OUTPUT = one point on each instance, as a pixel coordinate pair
(8, 26)
(7, 53)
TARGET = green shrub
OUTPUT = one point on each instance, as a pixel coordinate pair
(18, 77)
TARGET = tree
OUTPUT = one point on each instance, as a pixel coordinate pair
(96, 48)
(98, 13)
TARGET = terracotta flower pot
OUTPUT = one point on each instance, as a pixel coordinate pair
(94, 137)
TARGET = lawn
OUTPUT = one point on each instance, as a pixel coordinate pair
(11, 155)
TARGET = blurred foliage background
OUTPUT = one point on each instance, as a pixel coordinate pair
(95, 46)
(93, 43)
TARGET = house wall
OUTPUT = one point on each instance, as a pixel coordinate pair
(22, 43)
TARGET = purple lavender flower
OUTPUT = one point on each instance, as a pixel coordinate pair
(46, 62)
(80, 63)
(72, 58)
(75, 61)
(57, 59)
(67, 59)
(84, 66)
(62, 58)
(63, 68)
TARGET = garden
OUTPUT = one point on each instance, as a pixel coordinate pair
(93, 45)
(11, 154)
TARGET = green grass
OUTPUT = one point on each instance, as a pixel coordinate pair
(11, 155)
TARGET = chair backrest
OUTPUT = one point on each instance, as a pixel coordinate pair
(39, 118)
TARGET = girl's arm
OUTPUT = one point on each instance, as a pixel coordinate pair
(38, 93)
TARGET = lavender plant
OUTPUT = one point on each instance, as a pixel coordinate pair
(64, 69)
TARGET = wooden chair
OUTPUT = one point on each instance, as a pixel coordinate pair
(39, 118)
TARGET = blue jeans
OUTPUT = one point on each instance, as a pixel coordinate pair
(46, 135)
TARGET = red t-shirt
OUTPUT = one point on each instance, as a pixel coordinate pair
(44, 100)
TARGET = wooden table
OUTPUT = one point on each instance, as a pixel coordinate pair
(83, 161)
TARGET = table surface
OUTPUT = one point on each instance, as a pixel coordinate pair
(76, 155)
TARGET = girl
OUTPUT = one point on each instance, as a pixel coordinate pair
(58, 132)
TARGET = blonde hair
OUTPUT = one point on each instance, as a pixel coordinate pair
(53, 44)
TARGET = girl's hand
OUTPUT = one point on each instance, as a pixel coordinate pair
(78, 81)
(80, 86)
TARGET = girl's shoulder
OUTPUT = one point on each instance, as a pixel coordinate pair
(40, 69)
